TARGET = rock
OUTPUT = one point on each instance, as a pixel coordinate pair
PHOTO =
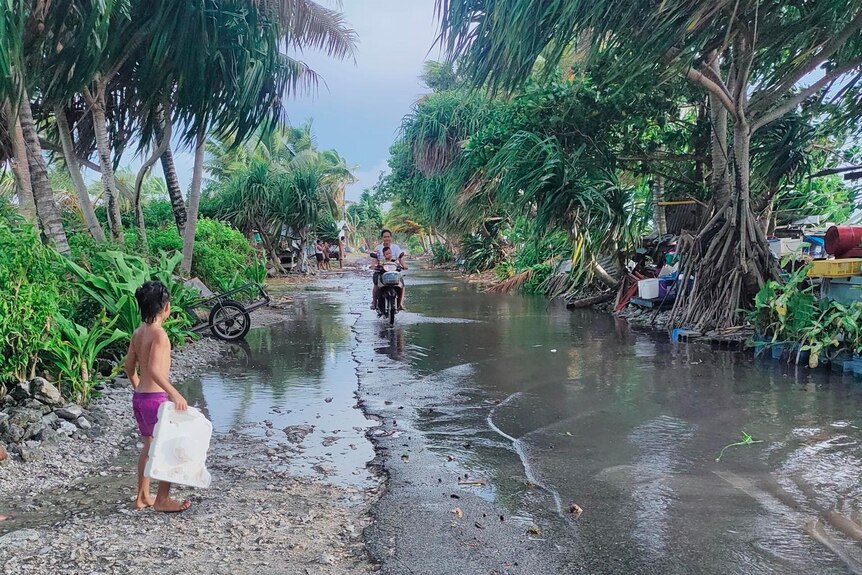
(4, 455)
(325, 559)
(71, 412)
(50, 420)
(45, 391)
(19, 538)
(23, 423)
(83, 423)
(37, 405)
(15, 433)
(47, 435)
(66, 428)
(297, 433)
(28, 453)
(20, 391)
(34, 429)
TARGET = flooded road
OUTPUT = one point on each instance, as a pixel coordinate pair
(544, 407)
(293, 374)
(498, 413)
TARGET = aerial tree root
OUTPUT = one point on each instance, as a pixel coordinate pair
(721, 269)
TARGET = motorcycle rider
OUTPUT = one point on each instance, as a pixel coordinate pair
(397, 255)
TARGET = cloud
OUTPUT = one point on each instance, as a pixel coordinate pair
(366, 179)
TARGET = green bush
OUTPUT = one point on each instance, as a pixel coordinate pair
(220, 252)
(440, 254)
(480, 252)
(157, 214)
(72, 352)
(115, 290)
(29, 298)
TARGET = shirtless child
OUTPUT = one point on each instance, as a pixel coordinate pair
(150, 349)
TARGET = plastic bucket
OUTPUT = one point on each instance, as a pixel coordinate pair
(839, 359)
(778, 349)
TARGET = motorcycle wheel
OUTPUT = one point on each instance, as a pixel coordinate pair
(393, 306)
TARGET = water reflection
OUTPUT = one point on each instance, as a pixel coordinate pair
(393, 336)
(300, 371)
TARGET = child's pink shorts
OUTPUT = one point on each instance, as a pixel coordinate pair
(146, 408)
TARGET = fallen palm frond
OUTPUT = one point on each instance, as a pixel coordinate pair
(513, 283)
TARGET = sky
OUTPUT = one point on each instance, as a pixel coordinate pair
(359, 106)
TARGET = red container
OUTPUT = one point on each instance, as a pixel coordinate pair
(842, 239)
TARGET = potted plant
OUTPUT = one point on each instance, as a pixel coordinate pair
(822, 334)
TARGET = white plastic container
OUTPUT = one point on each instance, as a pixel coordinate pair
(781, 247)
(648, 288)
(179, 448)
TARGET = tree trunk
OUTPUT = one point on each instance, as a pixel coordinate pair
(20, 167)
(175, 193)
(271, 249)
(71, 161)
(720, 180)
(303, 257)
(142, 228)
(658, 209)
(733, 264)
(194, 204)
(603, 276)
(112, 194)
(46, 207)
(766, 217)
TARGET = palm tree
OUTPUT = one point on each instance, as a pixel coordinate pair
(279, 183)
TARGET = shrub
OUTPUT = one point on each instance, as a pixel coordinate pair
(480, 252)
(73, 350)
(220, 252)
(29, 298)
(115, 290)
(440, 254)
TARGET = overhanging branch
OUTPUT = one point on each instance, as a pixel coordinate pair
(764, 100)
(699, 78)
(779, 111)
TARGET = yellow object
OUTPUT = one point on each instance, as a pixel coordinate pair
(842, 268)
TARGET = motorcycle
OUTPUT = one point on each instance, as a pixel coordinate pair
(389, 289)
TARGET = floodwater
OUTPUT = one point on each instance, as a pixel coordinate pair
(298, 372)
(558, 407)
(551, 407)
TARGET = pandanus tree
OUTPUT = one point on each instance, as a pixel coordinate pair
(756, 60)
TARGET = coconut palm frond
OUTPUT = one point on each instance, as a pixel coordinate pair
(306, 24)
(513, 283)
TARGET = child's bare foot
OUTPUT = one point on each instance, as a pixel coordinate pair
(172, 506)
(144, 502)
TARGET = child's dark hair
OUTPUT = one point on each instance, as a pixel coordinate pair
(387, 249)
(152, 298)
